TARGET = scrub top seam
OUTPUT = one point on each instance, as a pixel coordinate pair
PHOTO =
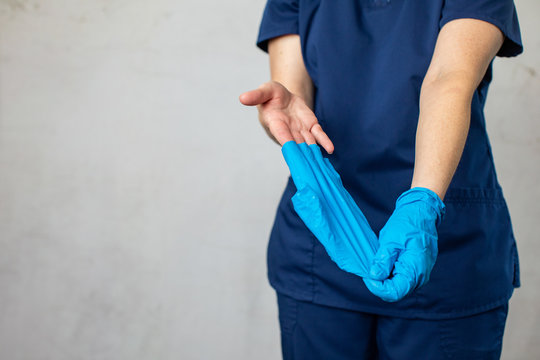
(302, 296)
(312, 269)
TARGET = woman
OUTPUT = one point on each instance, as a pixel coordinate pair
(394, 92)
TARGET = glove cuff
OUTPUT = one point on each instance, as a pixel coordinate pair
(427, 197)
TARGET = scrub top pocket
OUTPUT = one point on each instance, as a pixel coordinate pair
(477, 253)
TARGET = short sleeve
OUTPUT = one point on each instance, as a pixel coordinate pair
(501, 13)
(280, 17)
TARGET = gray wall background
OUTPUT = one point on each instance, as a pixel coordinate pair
(137, 194)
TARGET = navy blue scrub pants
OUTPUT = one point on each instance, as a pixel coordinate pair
(311, 331)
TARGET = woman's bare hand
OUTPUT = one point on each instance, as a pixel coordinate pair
(285, 116)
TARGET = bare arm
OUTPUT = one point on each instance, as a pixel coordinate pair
(287, 67)
(285, 104)
(464, 49)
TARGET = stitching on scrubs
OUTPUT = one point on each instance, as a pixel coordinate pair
(457, 346)
(465, 202)
(352, 305)
(312, 268)
(299, 292)
(474, 196)
(378, 4)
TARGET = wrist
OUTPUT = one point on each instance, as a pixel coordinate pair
(436, 185)
(425, 196)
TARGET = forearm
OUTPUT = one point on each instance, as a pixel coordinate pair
(443, 125)
(285, 104)
(287, 67)
(461, 57)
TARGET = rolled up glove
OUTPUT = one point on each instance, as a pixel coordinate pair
(407, 245)
(328, 210)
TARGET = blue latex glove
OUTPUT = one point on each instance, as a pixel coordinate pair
(328, 210)
(408, 245)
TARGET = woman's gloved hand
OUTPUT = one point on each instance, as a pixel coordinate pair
(408, 245)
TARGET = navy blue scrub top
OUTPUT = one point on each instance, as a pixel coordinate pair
(367, 60)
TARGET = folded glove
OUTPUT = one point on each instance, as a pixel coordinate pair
(408, 245)
(328, 210)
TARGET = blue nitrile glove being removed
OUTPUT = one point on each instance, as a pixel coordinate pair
(408, 242)
(328, 210)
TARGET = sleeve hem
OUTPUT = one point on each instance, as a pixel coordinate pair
(262, 40)
(511, 46)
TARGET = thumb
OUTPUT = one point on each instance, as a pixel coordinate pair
(391, 290)
(258, 96)
(383, 262)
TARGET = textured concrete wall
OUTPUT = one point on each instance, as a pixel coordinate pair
(133, 224)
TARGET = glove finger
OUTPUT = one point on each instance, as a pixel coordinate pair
(336, 199)
(416, 265)
(326, 165)
(354, 235)
(308, 206)
(332, 170)
(311, 210)
(383, 262)
(299, 166)
(391, 290)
